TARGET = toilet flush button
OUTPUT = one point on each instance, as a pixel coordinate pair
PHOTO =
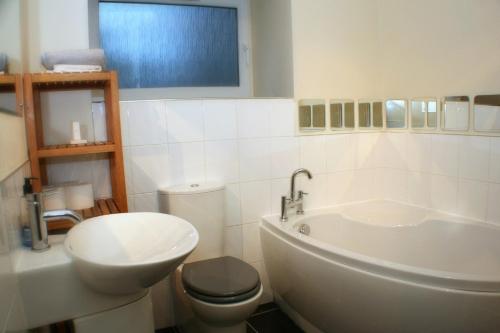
(194, 185)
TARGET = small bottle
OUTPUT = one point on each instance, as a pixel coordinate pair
(26, 236)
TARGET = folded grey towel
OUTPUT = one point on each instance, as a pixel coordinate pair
(74, 57)
(3, 62)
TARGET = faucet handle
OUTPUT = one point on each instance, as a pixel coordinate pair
(302, 193)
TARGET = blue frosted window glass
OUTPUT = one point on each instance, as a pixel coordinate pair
(162, 45)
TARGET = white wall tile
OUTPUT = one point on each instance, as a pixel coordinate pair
(419, 152)
(128, 170)
(445, 156)
(282, 118)
(186, 162)
(419, 189)
(279, 188)
(316, 189)
(396, 185)
(253, 118)
(494, 168)
(472, 199)
(313, 153)
(150, 168)
(220, 119)
(184, 121)
(146, 122)
(379, 188)
(12, 211)
(284, 156)
(146, 202)
(233, 205)
(233, 241)
(395, 148)
(339, 152)
(474, 157)
(130, 203)
(255, 160)
(493, 206)
(340, 187)
(255, 200)
(222, 160)
(124, 123)
(252, 250)
(363, 185)
(444, 191)
(367, 151)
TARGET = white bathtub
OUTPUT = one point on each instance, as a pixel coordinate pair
(385, 267)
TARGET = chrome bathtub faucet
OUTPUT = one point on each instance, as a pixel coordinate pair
(294, 202)
(39, 218)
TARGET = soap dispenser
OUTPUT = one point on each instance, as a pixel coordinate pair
(28, 196)
(35, 209)
(28, 187)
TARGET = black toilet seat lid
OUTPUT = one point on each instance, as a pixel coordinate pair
(225, 277)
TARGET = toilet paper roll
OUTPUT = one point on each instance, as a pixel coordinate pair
(54, 197)
(79, 196)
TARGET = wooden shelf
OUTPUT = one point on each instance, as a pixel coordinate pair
(6, 79)
(74, 150)
(58, 81)
(101, 207)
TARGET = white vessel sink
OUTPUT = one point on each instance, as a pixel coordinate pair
(126, 253)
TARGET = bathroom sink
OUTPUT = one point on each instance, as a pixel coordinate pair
(126, 253)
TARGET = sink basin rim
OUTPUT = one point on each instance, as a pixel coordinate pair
(192, 232)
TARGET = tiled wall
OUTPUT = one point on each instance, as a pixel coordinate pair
(452, 173)
(251, 146)
(248, 144)
(12, 213)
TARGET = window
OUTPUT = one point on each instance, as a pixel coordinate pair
(172, 49)
(423, 113)
(395, 112)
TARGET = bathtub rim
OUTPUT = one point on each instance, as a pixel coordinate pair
(387, 269)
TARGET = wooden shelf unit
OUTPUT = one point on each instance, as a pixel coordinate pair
(36, 83)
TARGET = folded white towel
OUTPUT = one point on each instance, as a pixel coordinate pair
(94, 57)
(75, 68)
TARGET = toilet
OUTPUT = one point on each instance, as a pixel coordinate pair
(212, 292)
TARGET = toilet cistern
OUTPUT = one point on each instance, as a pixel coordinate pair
(292, 202)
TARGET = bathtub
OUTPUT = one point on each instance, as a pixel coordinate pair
(382, 266)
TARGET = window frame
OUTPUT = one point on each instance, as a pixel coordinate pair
(245, 88)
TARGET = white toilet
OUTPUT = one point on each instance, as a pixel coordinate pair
(213, 292)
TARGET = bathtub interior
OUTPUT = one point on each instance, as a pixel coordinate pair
(391, 232)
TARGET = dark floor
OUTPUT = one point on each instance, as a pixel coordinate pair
(268, 318)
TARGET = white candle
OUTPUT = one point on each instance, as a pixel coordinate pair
(77, 136)
(76, 131)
